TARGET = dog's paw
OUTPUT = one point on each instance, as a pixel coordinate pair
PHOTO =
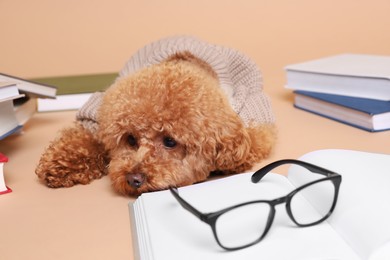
(52, 180)
(73, 158)
(56, 174)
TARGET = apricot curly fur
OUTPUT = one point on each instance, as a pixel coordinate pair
(74, 157)
(177, 100)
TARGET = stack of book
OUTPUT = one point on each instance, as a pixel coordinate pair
(350, 88)
(18, 102)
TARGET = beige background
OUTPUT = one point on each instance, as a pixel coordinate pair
(66, 37)
(62, 37)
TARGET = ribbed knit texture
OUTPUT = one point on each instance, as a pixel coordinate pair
(87, 115)
(238, 76)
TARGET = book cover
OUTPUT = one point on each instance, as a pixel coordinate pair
(356, 75)
(357, 229)
(78, 84)
(368, 114)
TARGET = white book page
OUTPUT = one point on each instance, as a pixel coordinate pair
(172, 232)
(2, 182)
(362, 215)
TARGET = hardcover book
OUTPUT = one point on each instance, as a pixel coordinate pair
(8, 90)
(368, 114)
(356, 75)
(9, 123)
(31, 88)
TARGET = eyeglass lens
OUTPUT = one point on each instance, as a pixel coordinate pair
(313, 203)
(246, 224)
(242, 225)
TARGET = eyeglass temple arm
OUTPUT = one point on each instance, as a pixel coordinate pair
(259, 174)
(186, 205)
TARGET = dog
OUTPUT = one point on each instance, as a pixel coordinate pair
(167, 124)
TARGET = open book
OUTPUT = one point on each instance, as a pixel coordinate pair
(359, 228)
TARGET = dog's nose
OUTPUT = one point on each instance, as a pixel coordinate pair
(135, 179)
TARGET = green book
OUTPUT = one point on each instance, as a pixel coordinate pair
(80, 83)
(73, 91)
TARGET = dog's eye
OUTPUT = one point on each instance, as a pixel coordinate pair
(131, 140)
(169, 142)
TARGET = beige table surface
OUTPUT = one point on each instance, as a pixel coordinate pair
(91, 221)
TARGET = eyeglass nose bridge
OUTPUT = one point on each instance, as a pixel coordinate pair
(287, 200)
(279, 201)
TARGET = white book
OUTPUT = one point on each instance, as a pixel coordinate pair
(31, 88)
(358, 229)
(8, 90)
(25, 110)
(63, 102)
(9, 123)
(355, 75)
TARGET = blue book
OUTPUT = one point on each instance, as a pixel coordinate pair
(368, 114)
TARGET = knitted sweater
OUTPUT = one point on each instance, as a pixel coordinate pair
(238, 76)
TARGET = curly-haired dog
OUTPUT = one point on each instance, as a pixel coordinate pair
(169, 122)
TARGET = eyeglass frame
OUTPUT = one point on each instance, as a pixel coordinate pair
(212, 217)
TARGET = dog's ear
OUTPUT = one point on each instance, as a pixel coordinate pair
(239, 148)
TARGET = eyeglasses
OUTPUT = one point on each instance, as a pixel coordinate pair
(246, 224)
